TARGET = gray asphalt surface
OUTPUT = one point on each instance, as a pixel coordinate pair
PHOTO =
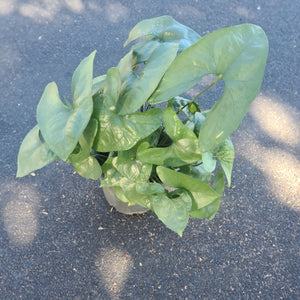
(58, 237)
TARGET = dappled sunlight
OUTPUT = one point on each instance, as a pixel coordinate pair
(187, 11)
(114, 267)
(115, 12)
(244, 12)
(282, 171)
(40, 10)
(278, 162)
(9, 59)
(278, 120)
(75, 5)
(45, 11)
(19, 212)
(6, 7)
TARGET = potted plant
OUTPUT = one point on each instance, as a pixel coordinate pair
(116, 129)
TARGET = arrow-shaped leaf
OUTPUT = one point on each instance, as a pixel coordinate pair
(173, 211)
(237, 55)
(33, 154)
(62, 125)
(164, 29)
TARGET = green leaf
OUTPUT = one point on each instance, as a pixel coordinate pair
(84, 163)
(98, 83)
(111, 176)
(143, 85)
(237, 55)
(219, 184)
(193, 107)
(120, 193)
(142, 51)
(225, 156)
(164, 29)
(131, 194)
(198, 119)
(125, 176)
(149, 188)
(210, 210)
(134, 170)
(160, 156)
(202, 193)
(180, 104)
(88, 168)
(60, 125)
(197, 172)
(118, 132)
(182, 151)
(209, 162)
(139, 53)
(173, 211)
(33, 154)
(83, 149)
(124, 188)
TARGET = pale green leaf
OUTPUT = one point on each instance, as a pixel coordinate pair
(128, 65)
(120, 132)
(88, 168)
(83, 149)
(131, 194)
(111, 176)
(209, 162)
(98, 83)
(237, 55)
(84, 163)
(173, 211)
(33, 154)
(149, 188)
(210, 210)
(202, 193)
(182, 151)
(225, 156)
(219, 184)
(197, 172)
(134, 170)
(181, 104)
(60, 125)
(143, 85)
(164, 29)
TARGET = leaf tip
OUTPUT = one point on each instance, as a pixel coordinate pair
(18, 175)
(93, 54)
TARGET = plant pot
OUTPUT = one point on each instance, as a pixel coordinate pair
(121, 206)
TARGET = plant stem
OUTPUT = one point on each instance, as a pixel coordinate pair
(213, 83)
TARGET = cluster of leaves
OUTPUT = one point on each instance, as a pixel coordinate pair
(115, 129)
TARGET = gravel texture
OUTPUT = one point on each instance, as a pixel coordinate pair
(59, 238)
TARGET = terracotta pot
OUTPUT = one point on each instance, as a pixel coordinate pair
(121, 206)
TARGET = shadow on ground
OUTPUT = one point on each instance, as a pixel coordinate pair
(58, 236)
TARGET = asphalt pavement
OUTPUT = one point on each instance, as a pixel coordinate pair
(59, 239)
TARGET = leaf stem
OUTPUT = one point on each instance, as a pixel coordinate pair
(198, 95)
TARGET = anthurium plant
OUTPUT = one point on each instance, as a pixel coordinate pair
(171, 158)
